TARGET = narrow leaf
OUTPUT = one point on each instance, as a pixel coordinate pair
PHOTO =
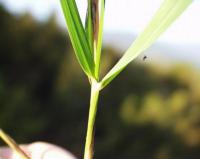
(89, 25)
(168, 12)
(100, 37)
(78, 36)
(94, 29)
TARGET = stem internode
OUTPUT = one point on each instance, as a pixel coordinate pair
(95, 89)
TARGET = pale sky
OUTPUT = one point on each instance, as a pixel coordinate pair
(128, 16)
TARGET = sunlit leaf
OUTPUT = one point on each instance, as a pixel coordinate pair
(168, 12)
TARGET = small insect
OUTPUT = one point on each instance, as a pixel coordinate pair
(144, 58)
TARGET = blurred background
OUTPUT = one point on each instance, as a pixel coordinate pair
(151, 111)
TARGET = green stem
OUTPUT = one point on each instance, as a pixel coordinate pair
(88, 154)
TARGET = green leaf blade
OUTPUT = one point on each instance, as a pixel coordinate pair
(89, 25)
(100, 37)
(166, 15)
(78, 36)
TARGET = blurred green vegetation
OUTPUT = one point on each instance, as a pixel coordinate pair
(148, 112)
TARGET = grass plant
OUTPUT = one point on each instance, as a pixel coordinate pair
(86, 40)
(87, 44)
